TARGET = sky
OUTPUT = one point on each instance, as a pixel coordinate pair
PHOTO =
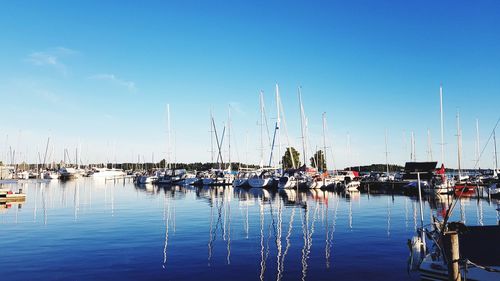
(98, 75)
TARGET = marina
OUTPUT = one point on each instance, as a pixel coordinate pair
(249, 140)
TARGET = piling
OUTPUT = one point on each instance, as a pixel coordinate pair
(454, 256)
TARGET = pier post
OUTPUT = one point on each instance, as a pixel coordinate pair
(454, 256)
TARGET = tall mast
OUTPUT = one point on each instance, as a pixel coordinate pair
(386, 153)
(459, 144)
(229, 135)
(45, 155)
(495, 151)
(169, 138)
(478, 144)
(324, 140)
(278, 121)
(442, 122)
(302, 127)
(282, 112)
(349, 154)
(261, 129)
(211, 138)
(413, 157)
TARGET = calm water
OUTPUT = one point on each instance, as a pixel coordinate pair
(88, 230)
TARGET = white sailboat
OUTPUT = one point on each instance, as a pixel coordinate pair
(439, 183)
(298, 178)
(323, 180)
(264, 177)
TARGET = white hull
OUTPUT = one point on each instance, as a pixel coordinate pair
(322, 183)
(436, 270)
(287, 183)
(50, 176)
(353, 186)
(292, 182)
(111, 173)
(438, 189)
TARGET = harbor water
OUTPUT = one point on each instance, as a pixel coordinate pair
(115, 230)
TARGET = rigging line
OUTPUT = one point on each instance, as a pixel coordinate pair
(487, 142)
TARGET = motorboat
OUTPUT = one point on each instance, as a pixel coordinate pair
(67, 173)
(172, 176)
(107, 173)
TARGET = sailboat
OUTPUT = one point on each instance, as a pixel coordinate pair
(263, 177)
(219, 176)
(462, 186)
(323, 180)
(298, 178)
(439, 183)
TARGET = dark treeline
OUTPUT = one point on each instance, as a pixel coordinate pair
(377, 168)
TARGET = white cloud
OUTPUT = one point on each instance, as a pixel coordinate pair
(130, 85)
(52, 58)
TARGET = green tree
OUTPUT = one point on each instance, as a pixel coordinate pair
(318, 160)
(287, 158)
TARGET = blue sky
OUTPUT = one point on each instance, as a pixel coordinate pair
(100, 73)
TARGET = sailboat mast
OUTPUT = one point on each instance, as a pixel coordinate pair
(261, 129)
(413, 157)
(478, 154)
(169, 139)
(45, 155)
(386, 154)
(349, 154)
(324, 139)
(229, 135)
(211, 138)
(459, 152)
(289, 147)
(302, 128)
(442, 122)
(278, 121)
(495, 150)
